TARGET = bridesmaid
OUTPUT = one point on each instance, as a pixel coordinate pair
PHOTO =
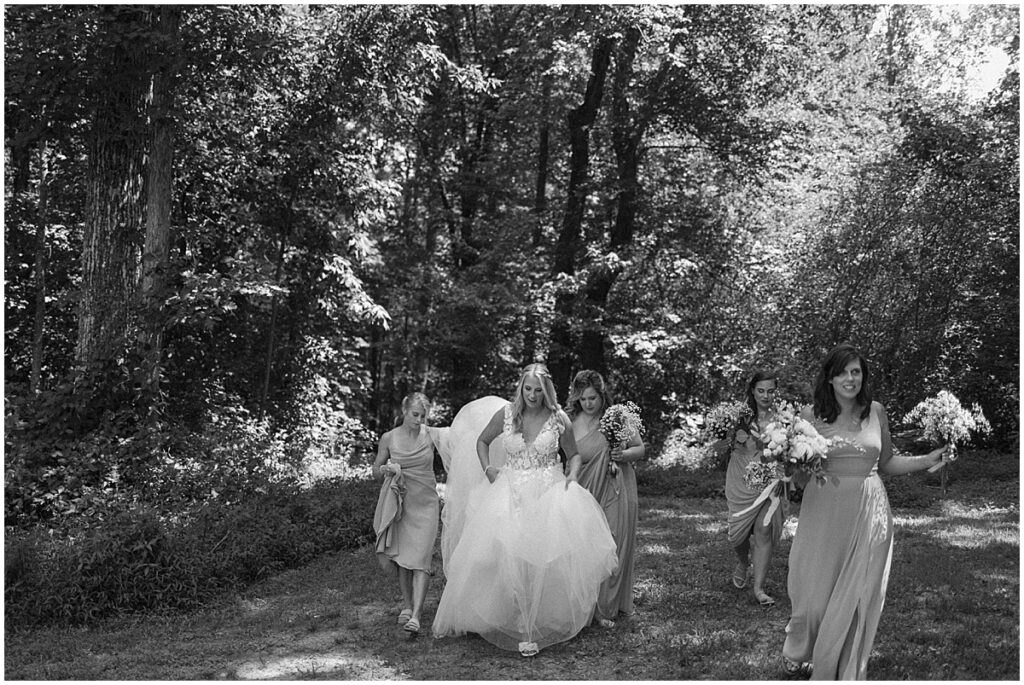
(616, 493)
(839, 562)
(406, 519)
(748, 534)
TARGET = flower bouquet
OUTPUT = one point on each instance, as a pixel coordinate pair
(618, 423)
(791, 444)
(946, 422)
(723, 419)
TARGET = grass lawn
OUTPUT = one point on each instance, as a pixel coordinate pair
(952, 610)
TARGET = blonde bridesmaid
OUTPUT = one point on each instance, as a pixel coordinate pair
(408, 509)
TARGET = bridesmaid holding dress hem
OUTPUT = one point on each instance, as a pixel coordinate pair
(408, 509)
(750, 537)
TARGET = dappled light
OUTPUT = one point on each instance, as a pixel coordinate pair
(336, 665)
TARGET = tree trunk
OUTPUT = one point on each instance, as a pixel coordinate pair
(115, 204)
(159, 194)
(580, 121)
(626, 134)
(268, 365)
(39, 271)
(540, 199)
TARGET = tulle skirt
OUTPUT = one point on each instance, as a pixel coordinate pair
(529, 562)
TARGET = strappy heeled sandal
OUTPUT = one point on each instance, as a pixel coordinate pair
(739, 578)
(404, 616)
(412, 626)
(792, 668)
(763, 598)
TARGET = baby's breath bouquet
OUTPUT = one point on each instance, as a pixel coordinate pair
(946, 422)
(618, 424)
(723, 419)
(760, 475)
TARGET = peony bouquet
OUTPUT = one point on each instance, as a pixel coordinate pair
(946, 422)
(618, 424)
(791, 444)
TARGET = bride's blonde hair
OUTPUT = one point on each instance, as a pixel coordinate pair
(547, 387)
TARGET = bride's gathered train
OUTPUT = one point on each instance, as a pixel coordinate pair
(524, 556)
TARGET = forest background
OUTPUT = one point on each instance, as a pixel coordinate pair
(235, 237)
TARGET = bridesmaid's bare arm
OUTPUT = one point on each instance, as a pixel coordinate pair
(895, 465)
(383, 454)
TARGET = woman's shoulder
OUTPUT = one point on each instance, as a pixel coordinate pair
(561, 417)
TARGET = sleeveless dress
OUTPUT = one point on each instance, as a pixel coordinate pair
(532, 554)
(617, 496)
(739, 496)
(839, 562)
(408, 509)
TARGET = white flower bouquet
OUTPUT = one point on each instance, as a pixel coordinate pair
(723, 419)
(946, 422)
(618, 424)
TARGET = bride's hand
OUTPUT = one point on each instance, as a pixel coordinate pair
(492, 473)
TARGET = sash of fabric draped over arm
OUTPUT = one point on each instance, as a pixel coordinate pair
(389, 508)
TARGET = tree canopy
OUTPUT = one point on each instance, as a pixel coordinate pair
(264, 225)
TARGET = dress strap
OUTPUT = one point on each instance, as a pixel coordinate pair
(507, 427)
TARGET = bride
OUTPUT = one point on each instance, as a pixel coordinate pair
(525, 548)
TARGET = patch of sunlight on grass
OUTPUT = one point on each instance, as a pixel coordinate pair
(676, 514)
(301, 665)
(970, 537)
(712, 528)
(655, 550)
(915, 521)
(985, 511)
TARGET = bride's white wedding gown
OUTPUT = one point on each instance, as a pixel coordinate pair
(524, 557)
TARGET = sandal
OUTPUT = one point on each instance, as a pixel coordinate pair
(763, 598)
(606, 623)
(739, 577)
(792, 668)
(404, 617)
(412, 626)
(528, 648)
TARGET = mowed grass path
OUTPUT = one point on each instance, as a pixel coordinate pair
(952, 612)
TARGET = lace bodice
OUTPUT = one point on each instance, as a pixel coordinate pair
(539, 454)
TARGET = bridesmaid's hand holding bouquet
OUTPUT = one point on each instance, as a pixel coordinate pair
(618, 424)
(946, 422)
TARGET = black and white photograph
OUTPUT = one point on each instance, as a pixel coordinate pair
(494, 342)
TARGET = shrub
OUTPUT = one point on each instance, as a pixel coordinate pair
(139, 560)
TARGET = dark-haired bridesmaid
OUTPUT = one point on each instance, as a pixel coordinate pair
(839, 562)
